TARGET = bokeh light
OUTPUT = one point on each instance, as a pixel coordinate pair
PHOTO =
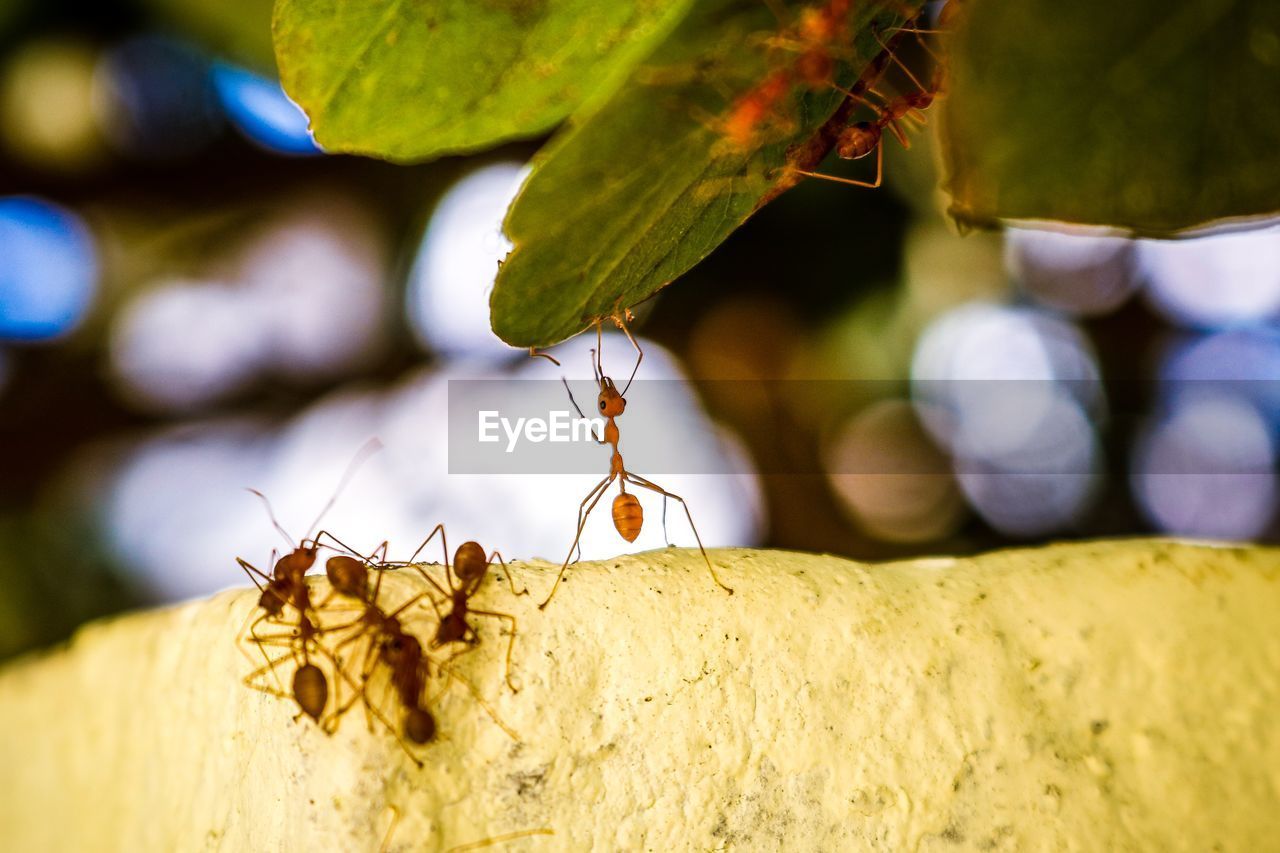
(5, 370)
(261, 111)
(1009, 391)
(300, 298)
(448, 295)
(178, 510)
(1241, 362)
(986, 377)
(48, 269)
(1078, 271)
(183, 344)
(1216, 281)
(1206, 467)
(316, 273)
(46, 113)
(1044, 483)
(153, 98)
(894, 482)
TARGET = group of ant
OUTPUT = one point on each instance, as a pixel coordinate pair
(315, 635)
(819, 38)
(352, 641)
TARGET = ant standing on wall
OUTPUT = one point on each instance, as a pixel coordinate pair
(628, 516)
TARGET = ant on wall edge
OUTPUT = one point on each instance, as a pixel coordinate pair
(628, 515)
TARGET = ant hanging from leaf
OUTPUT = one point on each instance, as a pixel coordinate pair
(628, 516)
(862, 138)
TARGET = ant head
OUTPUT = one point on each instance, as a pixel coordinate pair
(294, 565)
(272, 599)
(858, 140)
(610, 402)
(470, 562)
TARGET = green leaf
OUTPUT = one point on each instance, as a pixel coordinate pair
(409, 81)
(1145, 114)
(239, 29)
(634, 194)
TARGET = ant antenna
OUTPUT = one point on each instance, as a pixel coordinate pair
(272, 516)
(569, 391)
(369, 448)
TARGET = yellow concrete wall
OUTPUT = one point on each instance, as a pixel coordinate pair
(1109, 695)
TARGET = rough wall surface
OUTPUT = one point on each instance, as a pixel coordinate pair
(1109, 695)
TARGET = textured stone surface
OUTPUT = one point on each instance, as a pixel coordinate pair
(1091, 696)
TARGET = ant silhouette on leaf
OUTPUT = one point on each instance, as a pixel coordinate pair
(628, 515)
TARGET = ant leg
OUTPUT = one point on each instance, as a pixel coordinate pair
(499, 839)
(259, 641)
(533, 353)
(439, 528)
(366, 671)
(480, 700)
(391, 829)
(251, 570)
(594, 496)
(896, 61)
(434, 583)
(665, 536)
(251, 680)
(511, 643)
(511, 581)
(869, 185)
(407, 604)
(642, 482)
(619, 322)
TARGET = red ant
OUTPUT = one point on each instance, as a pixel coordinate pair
(861, 138)
(391, 645)
(285, 586)
(471, 566)
(628, 516)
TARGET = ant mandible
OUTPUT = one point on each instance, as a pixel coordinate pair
(628, 516)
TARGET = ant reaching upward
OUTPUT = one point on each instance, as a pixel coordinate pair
(628, 516)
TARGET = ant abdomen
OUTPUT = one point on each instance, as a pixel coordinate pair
(469, 561)
(419, 725)
(628, 516)
(348, 576)
(857, 141)
(311, 690)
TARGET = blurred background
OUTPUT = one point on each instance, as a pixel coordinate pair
(194, 300)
